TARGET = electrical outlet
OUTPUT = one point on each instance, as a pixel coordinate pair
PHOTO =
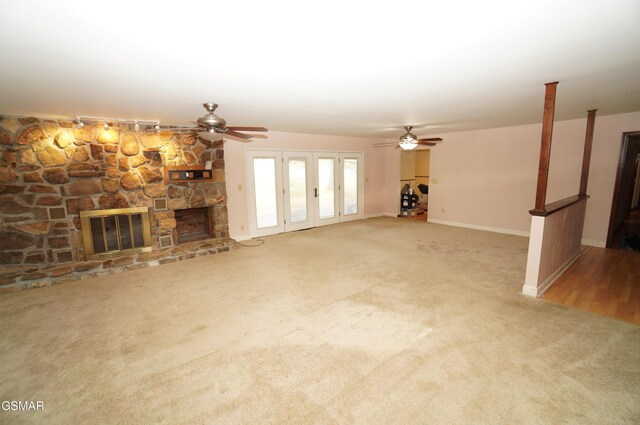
(443, 211)
(241, 228)
(239, 187)
(366, 179)
(434, 181)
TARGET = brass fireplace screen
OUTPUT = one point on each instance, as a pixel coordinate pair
(108, 233)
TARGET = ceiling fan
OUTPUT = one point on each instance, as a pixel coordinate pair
(213, 128)
(409, 141)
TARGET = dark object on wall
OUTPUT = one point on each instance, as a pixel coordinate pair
(423, 188)
(631, 241)
(180, 173)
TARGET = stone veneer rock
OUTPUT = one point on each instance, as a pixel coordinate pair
(47, 163)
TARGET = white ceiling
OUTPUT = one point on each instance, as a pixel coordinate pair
(361, 68)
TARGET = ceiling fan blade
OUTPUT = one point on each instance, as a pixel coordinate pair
(384, 145)
(431, 139)
(233, 127)
(424, 143)
(236, 134)
(198, 124)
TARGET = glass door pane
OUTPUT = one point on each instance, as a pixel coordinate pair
(264, 172)
(112, 233)
(298, 193)
(350, 186)
(298, 190)
(125, 232)
(265, 192)
(97, 235)
(326, 188)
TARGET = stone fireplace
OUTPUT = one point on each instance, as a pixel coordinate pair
(51, 173)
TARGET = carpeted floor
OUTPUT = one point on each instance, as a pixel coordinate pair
(380, 321)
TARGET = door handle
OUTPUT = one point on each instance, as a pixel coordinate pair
(315, 192)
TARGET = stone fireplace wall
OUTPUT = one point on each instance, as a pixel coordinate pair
(49, 163)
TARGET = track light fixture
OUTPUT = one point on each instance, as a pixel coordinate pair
(109, 122)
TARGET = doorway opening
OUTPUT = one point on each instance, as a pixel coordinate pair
(625, 207)
(414, 175)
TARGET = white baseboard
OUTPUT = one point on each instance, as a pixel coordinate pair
(387, 214)
(477, 227)
(591, 242)
(241, 238)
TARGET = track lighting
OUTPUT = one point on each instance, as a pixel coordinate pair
(109, 122)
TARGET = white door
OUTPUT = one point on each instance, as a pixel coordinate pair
(264, 183)
(298, 190)
(326, 188)
(351, 186)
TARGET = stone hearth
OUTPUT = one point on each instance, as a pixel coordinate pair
(50, 171)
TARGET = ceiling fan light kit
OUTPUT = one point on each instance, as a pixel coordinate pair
(408, 145)
(409, 141)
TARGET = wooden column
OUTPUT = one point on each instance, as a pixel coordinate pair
(545, 145)
(586, 158)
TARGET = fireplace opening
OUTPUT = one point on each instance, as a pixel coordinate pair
(194, 224)
(108, 233)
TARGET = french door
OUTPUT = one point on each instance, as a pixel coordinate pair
(299, 190)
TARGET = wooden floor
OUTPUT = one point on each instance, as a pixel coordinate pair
(602, 281)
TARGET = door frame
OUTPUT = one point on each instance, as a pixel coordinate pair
(336, 188)
(622, 158)
(289, 225)
(360, 213)
(250, 185)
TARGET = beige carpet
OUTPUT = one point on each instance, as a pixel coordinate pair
(380, 321)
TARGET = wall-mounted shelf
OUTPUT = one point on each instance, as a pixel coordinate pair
(187, 173)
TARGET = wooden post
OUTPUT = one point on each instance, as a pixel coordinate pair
(545, 144)
(586, 158)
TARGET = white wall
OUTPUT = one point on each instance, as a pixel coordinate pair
(487, 178)
(374, 170)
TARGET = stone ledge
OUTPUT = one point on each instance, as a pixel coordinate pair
(17, 278)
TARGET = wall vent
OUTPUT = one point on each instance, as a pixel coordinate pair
(63, 256)
(160, 204)
(57, 213)
(166, 241)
